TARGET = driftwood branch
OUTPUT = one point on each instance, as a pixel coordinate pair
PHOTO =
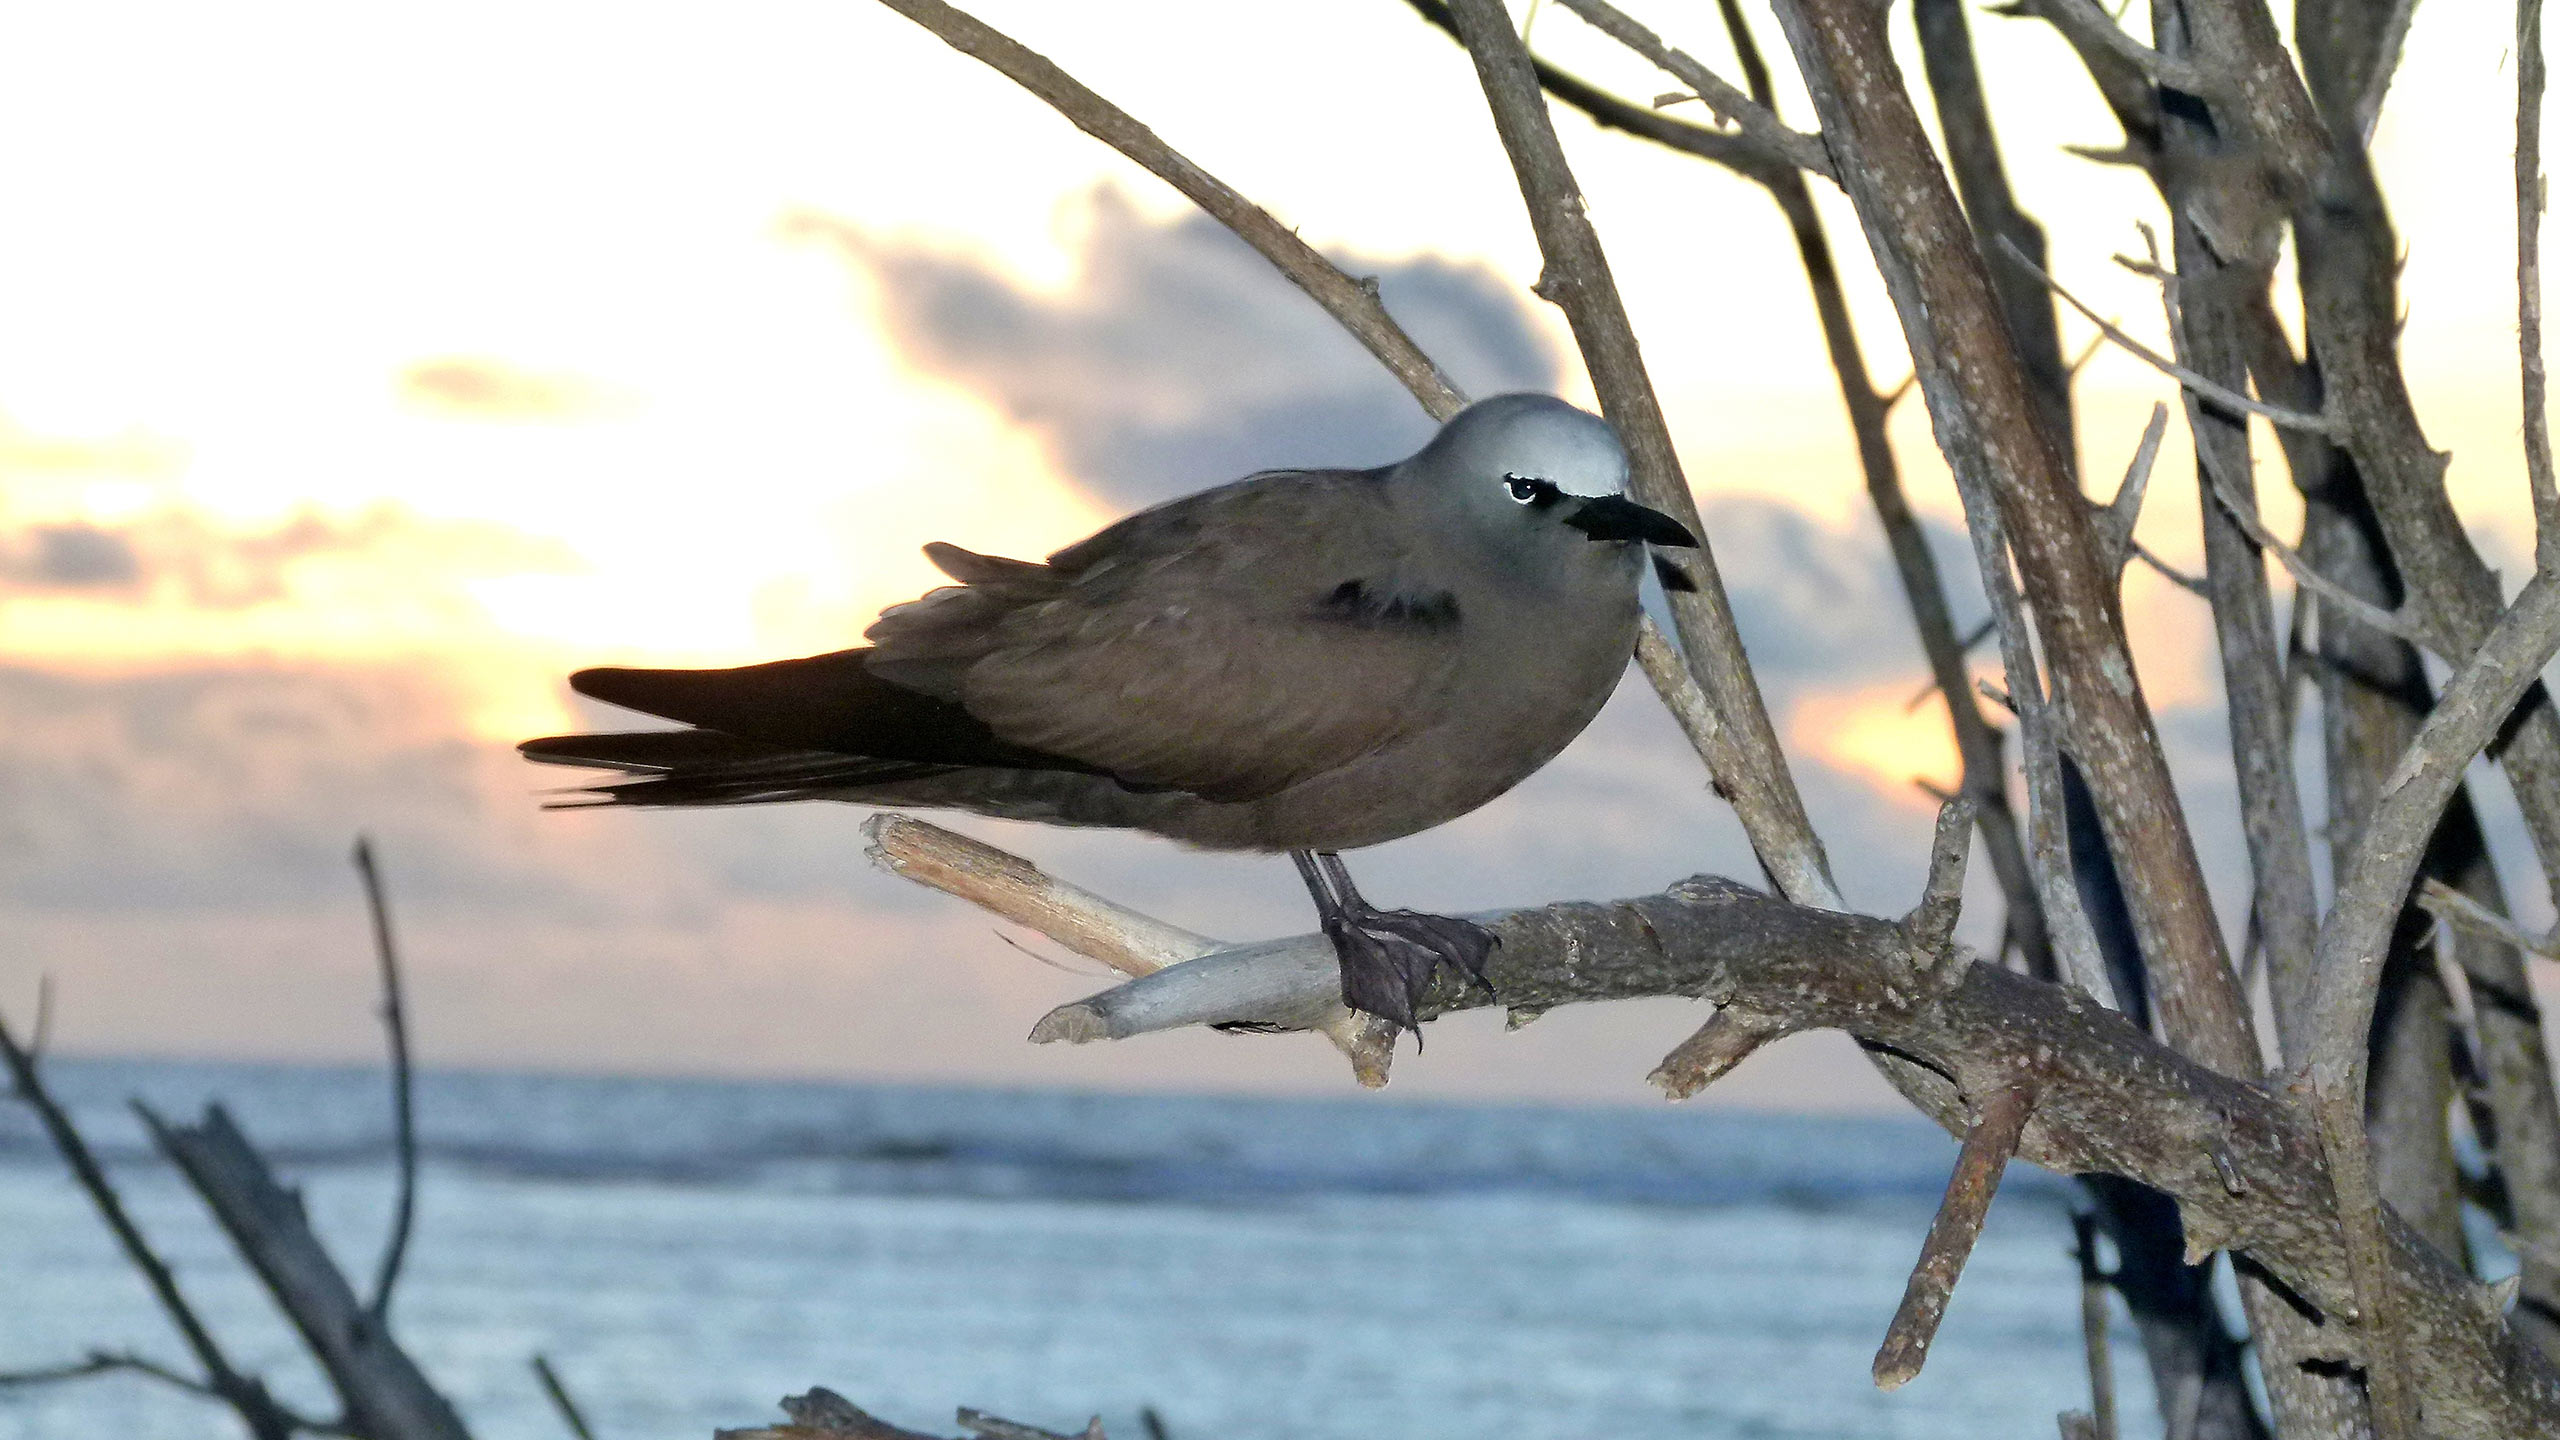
(404, 1115)
(826, 1415)
(1014, 889)
(385, 1394)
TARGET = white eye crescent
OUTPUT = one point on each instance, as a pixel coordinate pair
(1529, 490)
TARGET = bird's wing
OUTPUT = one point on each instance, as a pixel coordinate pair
(1231, 644)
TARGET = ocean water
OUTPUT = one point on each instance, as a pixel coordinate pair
(687, 1251)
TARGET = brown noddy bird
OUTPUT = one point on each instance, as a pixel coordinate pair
(1303, 660)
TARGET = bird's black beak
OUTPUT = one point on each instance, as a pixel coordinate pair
(1615, 517)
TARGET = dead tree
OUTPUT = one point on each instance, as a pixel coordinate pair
(2122, 1046)
(382, 1393)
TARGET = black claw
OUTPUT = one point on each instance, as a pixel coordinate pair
(1389, 956)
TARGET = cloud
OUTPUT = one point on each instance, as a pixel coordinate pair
(482, 389)
(1176, 358)
(69, 557)
(187, 558)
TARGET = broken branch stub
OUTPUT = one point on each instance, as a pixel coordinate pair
(1989, 1143)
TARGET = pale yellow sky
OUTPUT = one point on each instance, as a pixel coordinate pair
(515, 286)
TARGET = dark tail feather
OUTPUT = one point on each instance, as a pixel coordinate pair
(789, 730)
(829, 702)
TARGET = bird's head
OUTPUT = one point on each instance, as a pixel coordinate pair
(1528, 475)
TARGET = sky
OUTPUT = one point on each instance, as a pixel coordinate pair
(364, 370)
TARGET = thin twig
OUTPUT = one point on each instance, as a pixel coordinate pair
(1965, 644)
(125, 1362)
(2192, 584)
(2093, 1327)
(2125, 511)
(1346, 299)
(106, 1362)
(2386, 62)
(1728, 148)
(1988, 1145)
(2075, 942)
(2464, 913)
(1754, 120)
(996, 1427)
(41, 1033)
(404, 1114)
(2530, 72)
(561, 1400)
(2084, 22)
(2211, 389)
(265, 1419)
(2394, 623)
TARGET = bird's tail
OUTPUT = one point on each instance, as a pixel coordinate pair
(824, 726)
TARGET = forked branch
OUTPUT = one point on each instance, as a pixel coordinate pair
(2243, 1165)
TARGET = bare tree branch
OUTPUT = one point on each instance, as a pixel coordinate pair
(2112, 1101)
(561, 1401)
(2464, 913)
(1989, 1142)
(1986, 423)
(265, 1419)
(2530, 197)
(1752, 118)
(2308, 576)
(2388, 44)
(2522, 1135)
(1349, 301)
(404, 1117)
(385, 1394)
(124, 1362)
(2101, 1415)
(2125, 511)
(1129, 942)
(2356, 936)
(1577, 280)
(1728, 148)
(2211, 389)
(2086, 24)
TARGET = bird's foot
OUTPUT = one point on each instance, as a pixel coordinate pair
(1389, 956)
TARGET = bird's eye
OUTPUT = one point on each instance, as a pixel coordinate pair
(1527, 490)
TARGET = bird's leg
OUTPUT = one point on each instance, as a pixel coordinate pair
(1388, 956)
